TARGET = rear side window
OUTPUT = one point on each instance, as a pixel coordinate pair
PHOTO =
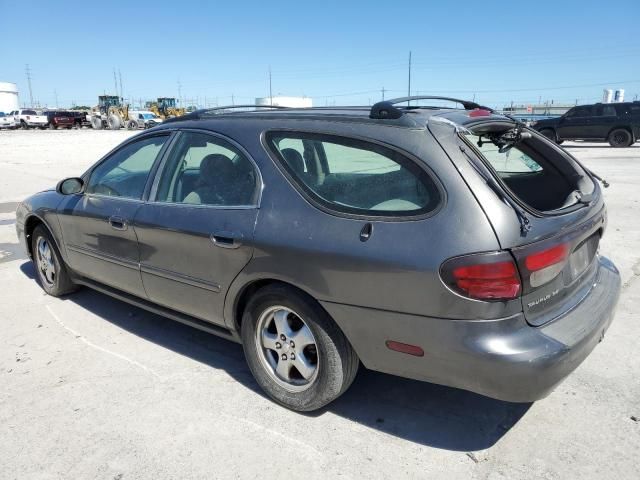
(354, 176)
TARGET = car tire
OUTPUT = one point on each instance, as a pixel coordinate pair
(24, 126)
(132, 125)
(51, 271)
(620, 138)
(51, 126)
(278, 316)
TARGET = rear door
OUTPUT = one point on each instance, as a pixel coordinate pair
(556, 256)
(97, 224)
(605, 119)
(196, 232)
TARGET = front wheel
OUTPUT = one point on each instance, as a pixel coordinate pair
(52, 272)
(296, 352)
(620, 138)
(550, 134)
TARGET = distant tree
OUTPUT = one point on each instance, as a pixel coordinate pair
(80, 107)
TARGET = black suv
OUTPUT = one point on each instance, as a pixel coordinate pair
(617, 123)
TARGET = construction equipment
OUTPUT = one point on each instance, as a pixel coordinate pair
(111, 113)
(165, 108)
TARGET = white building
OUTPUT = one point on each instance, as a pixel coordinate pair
(8, 97)
(294, 102)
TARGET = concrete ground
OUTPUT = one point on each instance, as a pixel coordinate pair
(94, 388)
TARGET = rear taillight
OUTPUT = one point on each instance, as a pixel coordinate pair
(490, 276)
(547, 264)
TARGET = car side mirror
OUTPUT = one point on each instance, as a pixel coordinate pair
(70, 186)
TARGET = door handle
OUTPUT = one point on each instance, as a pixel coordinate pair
(226, 239)
(118, 223)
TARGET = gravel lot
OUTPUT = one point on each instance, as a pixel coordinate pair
(94, 388)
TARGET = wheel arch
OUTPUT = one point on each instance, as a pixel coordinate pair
(30, 224)
(622, 127)
(234, 310)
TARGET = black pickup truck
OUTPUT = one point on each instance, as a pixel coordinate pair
(617, 123)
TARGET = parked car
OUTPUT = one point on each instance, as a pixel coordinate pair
(80, 118)
(60, 119)
(448, 245)
(27, 118)
(7, 121)
(143, 119)
(616, 123)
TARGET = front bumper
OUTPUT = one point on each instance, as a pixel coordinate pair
(505, 359)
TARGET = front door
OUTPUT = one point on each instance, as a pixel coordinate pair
(196, 232)
(576, 123)
(99, 238)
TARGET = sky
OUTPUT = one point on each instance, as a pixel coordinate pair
(337, 52)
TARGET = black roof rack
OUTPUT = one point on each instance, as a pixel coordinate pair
(207, 112)
(388, 110)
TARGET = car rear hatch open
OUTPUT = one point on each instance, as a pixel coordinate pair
(545, 208)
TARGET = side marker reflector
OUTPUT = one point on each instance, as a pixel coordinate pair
(405, 348)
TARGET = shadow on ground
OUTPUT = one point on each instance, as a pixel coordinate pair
(424, 413)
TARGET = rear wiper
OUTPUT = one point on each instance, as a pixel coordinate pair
(525, 223)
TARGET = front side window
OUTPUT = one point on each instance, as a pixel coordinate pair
(124, 174)
(203, 169)
(353, 176)
(579, 112)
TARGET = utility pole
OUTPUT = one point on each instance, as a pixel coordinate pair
(383, 90)
(232, 100)
(270, 92)
(115, 82)
(120, 77)
(28, 72)
(55, 94)
(409, 87)
(180, 92)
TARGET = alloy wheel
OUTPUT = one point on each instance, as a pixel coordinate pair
(44, 259)
(287, 348)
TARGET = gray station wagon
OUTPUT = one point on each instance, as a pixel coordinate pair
(451, 245)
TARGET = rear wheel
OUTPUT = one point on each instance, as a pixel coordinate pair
(24, 125)
(132, 125)
(296, 352)
(620, 138)
(52, 272)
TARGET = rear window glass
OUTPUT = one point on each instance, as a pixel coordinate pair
(29, 112)
(353, 176)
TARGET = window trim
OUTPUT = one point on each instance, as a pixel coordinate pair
(311, 198)
(170, 134)
(153, 190)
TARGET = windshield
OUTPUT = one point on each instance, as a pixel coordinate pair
(149, 116)
(29, 112)
(2, 114)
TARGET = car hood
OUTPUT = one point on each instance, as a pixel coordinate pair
(546, 122)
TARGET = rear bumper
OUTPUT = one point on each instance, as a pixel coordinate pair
(505, 359)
